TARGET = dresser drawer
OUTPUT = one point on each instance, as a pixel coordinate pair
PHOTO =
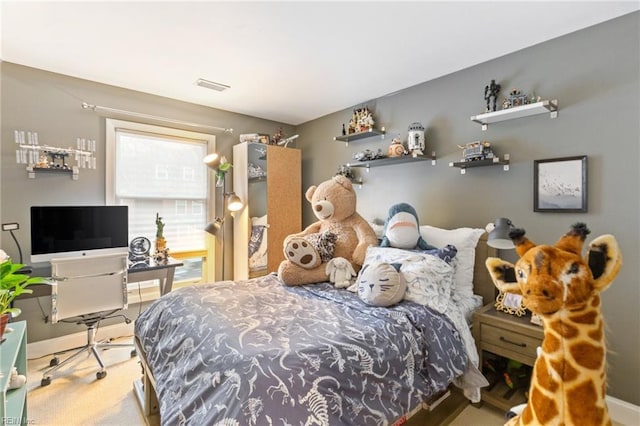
(509, 340)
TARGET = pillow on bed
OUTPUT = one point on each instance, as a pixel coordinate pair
(465, 240)
(381, 284)
(429, 278)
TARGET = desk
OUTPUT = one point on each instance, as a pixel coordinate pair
(142, 271)
(151, 270)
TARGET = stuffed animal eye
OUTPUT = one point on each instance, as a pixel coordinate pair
(521, 274)
(574, 268)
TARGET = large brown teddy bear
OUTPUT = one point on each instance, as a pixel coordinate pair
(339, 232)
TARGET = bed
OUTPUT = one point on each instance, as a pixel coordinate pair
(256, 352)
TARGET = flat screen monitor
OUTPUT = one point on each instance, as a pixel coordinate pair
(73, 231)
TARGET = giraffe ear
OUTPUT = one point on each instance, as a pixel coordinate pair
(604, 260)
(503, 275)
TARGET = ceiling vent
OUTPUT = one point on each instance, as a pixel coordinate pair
(212, 85)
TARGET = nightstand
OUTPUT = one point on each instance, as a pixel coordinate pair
(508, 336)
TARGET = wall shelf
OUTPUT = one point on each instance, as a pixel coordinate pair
(360, 135)
(32, 171)
(495, 161)
(542, 107)
(387, 161)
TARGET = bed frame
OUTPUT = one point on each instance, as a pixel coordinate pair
(442, 413)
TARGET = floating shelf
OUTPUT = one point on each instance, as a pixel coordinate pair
(495, 161)
(387, 161)
(360, 135)
(32, 171)
(542, 107)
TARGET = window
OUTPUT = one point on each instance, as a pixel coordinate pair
(154, 169)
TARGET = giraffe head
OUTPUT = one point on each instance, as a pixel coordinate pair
(552, 278)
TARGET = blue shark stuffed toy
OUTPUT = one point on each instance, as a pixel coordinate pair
(402, 230)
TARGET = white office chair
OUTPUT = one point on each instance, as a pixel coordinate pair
(86, 290)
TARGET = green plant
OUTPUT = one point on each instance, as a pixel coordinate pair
(13, 284)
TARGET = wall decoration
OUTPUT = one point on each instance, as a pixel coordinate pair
(560, 184)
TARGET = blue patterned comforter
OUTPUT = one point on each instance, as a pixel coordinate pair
(259, 353)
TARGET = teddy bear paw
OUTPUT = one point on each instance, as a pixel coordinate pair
(302, 253)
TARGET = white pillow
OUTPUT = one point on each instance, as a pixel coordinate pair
(465, 240)
(429, 279)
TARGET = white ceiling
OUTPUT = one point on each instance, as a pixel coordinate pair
(286, 61)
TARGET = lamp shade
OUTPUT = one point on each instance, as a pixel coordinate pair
(234, 203)
(212, 160)
(499, 236)
(214, 227)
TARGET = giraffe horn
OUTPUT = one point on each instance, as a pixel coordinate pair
(573, 240)
(522, 243)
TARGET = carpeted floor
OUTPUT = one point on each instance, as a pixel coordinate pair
(76, 397)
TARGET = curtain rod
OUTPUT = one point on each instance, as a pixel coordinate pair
(98, 108)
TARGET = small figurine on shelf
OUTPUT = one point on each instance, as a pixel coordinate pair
(344, 131)
(415, 140)
(478, 150)
(367, 154)
(396, 149)
(491, 94)
(346, 171)
(365, 120)
(276, 137)
(516, 99)
(161, 243)
(361, 121)
(43, 162)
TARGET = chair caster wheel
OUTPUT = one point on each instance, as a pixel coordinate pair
(54, 361)
(101, 375)
(133, 353)
(46, 381)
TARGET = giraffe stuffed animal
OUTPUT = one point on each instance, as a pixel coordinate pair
(568, 383)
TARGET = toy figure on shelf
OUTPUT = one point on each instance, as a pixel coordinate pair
(43, 162)
(415, 140)
(367, 154)
(478, 150)
(276, 137)
(396, 149)
(515, 99)
(346, 171)
(161, 243)
(361, 121)
(491, 94)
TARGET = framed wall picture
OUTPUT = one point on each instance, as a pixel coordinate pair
(560, 184)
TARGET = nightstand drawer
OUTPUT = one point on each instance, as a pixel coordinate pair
(510, 340)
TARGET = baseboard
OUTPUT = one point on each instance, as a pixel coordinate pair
(70, 341)
(623, 412)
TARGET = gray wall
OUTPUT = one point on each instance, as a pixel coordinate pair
(594, 75)
(50, 104)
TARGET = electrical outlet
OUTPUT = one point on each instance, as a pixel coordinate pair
(10, 226)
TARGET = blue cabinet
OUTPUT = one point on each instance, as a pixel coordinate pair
(13, 353)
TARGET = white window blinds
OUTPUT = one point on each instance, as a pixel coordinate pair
(160, 170)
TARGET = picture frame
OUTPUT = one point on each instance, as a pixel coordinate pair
(510, 303)
(560, 184)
